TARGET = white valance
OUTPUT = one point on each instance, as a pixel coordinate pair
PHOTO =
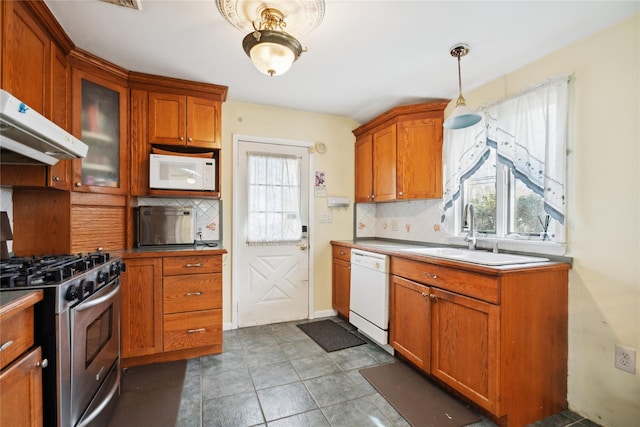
(529, 133)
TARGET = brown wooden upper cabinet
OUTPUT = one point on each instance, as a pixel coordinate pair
(36, 71)
(100, 119)
(184, 121)
(398, 155)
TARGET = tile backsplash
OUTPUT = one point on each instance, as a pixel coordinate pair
(207, 213)
(6, 205)
(414, 220)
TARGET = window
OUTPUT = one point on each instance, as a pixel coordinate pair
(274, 199)
(511, 166)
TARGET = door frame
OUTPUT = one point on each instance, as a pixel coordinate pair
(234, 210)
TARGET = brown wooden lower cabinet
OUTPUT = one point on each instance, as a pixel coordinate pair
(341, 280)
(172, 307)
(21, 398)
(495, 337)
(410, 316)
(21, 362)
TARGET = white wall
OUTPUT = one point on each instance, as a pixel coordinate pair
(270, 122)
(603, 213)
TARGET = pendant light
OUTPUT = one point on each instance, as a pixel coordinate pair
(270, 48)
(462, 116)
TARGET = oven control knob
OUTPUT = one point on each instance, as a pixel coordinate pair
(102, 277)
(72, 293)
(89, 286)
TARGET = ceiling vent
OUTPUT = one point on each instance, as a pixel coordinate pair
(131, 4)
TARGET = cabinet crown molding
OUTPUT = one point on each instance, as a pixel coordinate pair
(435, 106)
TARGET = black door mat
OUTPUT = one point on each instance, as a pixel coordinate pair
(150, 395)
(329, 335)
(418, 400)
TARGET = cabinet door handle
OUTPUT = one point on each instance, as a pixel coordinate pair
(190, 139)
(433, 297)
(78, 184)
(435, 276)
(181, 138)
(424, 294)
(56, 178)
(193, 294)
(6, 345)
(193, 331)
(42, 364)
(198, 264)
(399, 193)
(341, 252)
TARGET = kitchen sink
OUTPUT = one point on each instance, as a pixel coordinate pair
(475, 257)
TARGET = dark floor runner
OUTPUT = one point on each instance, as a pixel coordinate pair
(150, 395)
(329, 335)
(419, 401)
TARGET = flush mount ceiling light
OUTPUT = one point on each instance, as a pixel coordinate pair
(462, 116)
(271, 49)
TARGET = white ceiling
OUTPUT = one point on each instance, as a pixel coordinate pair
(365, 57)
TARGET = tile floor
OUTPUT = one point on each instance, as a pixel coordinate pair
(276, 376)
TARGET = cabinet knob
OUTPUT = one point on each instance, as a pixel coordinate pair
(432, 296)
(78, 184)
(435, 276)
(42, 364)
(56, 178)
(373, 196)
(190, 139)
(400, 193)
(424, 294)
(181, 138)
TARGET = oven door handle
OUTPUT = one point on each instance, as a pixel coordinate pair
(87, 420)
(92, 303)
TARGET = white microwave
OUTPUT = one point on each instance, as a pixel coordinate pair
(181, 173)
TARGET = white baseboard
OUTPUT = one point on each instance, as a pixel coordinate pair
(324, 313)
(316, 315)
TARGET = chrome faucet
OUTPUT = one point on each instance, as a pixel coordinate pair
(470, 225)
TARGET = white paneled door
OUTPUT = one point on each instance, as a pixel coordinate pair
(270, 215)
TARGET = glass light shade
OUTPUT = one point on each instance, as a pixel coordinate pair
(272, 52)
(462, 117)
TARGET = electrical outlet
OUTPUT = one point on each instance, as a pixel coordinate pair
(626, 359)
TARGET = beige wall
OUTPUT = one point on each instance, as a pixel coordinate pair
(270, 122)
(603, 213)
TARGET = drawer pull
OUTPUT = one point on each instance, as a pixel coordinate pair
(6, 345)
(424, 294)
(435, 276)
(42, 364)
(193, 294)
(432, 296)
(198, 264)
(193, 331)
(341, 252)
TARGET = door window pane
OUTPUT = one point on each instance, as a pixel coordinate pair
(273, 199)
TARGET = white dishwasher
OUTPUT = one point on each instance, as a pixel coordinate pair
(369, 298)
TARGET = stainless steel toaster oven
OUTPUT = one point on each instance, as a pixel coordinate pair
(165, 225)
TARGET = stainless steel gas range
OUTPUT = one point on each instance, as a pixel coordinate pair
(78, 326)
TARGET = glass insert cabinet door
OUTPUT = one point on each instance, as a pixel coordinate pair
(102, 127)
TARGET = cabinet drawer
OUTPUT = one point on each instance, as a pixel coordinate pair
(342, 252)
(16, 335)
(192, 292)
(190, 330)
(463, 282)
(173, 266)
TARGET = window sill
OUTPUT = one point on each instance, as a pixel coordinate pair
(512, 244)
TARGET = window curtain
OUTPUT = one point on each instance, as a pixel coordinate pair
(273, 199)
(529, 133)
